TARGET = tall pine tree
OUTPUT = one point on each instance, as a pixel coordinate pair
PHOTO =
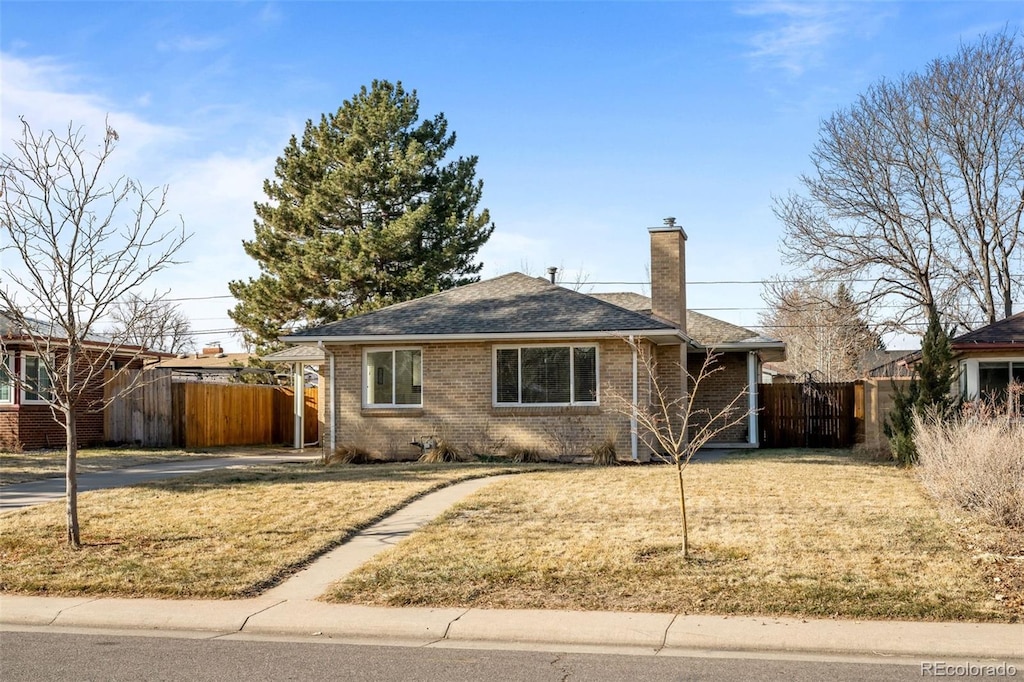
(362, 212)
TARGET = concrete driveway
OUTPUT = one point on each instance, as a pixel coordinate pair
(18, 495)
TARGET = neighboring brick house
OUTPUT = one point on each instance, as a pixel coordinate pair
(990, 358)
(26, 419)
(517, 361)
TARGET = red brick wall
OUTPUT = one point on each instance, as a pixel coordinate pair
(33, 425)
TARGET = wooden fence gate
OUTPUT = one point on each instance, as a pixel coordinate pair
(808, 415)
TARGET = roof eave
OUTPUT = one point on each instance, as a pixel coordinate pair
(656, 335)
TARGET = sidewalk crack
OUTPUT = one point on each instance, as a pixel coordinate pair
(256, 613)
(664, 635)
(452, 622)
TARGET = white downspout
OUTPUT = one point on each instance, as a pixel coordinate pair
(330, 398)
(634, 453)
(753, 431)
(299, 405)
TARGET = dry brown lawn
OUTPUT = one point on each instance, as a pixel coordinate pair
(35, 465)
(223, 534)
(801, 534)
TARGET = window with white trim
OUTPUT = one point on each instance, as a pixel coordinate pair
(995, 377)
(545, 375)
(393, 377)
(35, 379)
(6, 379)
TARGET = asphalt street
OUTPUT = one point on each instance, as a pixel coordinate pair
(48, 656)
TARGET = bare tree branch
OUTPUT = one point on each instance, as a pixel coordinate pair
(82, 245)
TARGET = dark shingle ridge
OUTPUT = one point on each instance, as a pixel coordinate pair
(1008, 330)
(510, 304)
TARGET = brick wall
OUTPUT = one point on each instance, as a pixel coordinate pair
(457, 405)
(718, 391)
(33, 425)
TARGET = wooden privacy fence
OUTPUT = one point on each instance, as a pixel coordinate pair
(195, 414)
(807, 415)
(140, 408)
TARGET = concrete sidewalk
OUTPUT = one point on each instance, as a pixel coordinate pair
(290, 610)
(17, 495)
(647, 633)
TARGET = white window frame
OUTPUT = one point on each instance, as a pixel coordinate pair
(25, 400)
(392, 405)
(7, 360)
(572, 374)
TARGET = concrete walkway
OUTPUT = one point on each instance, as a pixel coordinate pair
(290, 610)
(19, 495)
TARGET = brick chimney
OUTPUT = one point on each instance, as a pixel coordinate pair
(668, 272)
(213, 349)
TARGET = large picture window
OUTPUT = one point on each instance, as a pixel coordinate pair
(545, 375)
(393, 378)
(36, 379)
(995, 377)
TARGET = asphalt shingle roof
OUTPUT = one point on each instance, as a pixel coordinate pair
(511, 304)
(1009, 330)
(705, 330)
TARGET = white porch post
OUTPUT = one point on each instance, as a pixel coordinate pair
(299, 403)
(752, 431)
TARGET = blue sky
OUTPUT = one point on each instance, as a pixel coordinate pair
(591, 121)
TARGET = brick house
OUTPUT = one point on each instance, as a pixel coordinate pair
(26, 420)
(991, 357)
(517, 361)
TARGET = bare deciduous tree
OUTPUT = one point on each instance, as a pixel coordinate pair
(918, 189)
(670, 424)
(825, 333)
(81, 244)
(152, 323)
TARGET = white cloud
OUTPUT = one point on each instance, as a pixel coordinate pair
(798, 33)
(213, 194)
(43, 91)
(190, 44)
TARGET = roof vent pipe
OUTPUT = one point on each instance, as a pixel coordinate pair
(551, 273)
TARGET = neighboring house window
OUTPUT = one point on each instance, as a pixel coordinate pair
(36, 379)
(393, 378)
(545, 375)
(995, 377)
(6, 380)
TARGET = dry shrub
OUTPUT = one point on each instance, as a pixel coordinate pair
(443, 451)
(522, 453)
(347, 454)
(975, 460)
(604, 453)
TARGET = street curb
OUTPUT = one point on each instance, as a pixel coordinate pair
(651, 632)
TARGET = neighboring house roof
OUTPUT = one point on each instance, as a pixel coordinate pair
(43, 329)
(221, 362)
(705, 330)
(888, 363)
(306, 354)
(1006, 334)
(511, 305)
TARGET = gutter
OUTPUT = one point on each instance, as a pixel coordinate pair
(496, 336)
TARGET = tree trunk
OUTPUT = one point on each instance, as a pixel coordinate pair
(71, 481)
(682, 508)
